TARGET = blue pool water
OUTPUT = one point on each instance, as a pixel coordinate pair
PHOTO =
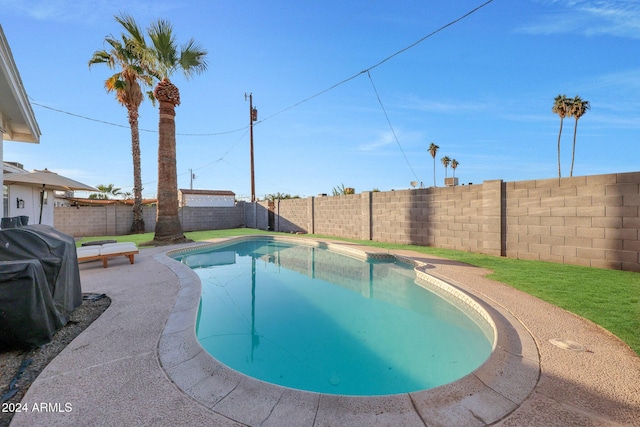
(312, 319)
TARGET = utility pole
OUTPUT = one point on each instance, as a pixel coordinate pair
(253, 116)
(192, 176)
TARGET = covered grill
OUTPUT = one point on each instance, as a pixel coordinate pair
(39, 284)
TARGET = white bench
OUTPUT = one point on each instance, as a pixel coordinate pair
(106, 251)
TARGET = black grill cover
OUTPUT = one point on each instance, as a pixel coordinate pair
(40, 296)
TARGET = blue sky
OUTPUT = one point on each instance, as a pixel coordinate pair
(482, 89)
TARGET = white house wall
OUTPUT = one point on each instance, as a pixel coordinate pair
(18, 121)
(31, 197)
(1, 172)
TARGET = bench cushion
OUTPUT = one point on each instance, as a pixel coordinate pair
(87, 251)
(116, 248)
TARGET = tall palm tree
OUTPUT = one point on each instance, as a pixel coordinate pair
(163, 57)
(578, 108)
(561, 106)
(445, 161)
(127, 84)
(433, 150)
(454, 165)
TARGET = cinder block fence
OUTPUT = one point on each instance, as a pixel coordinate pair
(116, 220)
(588, 220)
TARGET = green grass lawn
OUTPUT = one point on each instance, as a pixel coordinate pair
(610, 298)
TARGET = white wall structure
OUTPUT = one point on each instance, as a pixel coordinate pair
(25, 201)
(207, 198)
(17, 121)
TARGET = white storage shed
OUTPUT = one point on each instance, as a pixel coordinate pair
(207, 198)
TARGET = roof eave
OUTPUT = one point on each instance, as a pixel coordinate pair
(20, 126)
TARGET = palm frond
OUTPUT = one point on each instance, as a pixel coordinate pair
(164, 50)
(101, 57)
(578, 107)
(134, 34)
(433, 150)
(111, 83)
(561, 105)
(151, 97)
(192, 59)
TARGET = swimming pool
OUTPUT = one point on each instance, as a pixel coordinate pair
(309, 318)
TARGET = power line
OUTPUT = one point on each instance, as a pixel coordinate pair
(391, 126)
(218, 160)
(82, 117)
(221, 158)
(455, 21)
(129, 127)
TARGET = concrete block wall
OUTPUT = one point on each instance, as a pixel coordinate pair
(261, 212)
(106, 220)
(250, 216)
(456, 220)
(81, 221)
(256, 215)
(390, 216)
(590, 220)
(149, 216)
(211, 218)
(493, 225)
(587, 220)
(443, 217)
(292, 216)
(116, 220)
(338, 216)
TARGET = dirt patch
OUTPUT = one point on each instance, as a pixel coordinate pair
(19, 368)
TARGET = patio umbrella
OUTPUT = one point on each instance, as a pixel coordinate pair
(47, 180)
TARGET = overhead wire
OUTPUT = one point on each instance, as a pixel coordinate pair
(222, 158)
(129, 127)
(391, 126)
(433, 33)
(346, 80)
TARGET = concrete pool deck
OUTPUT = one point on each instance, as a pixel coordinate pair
(138, 364)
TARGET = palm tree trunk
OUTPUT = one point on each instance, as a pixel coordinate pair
(434, 171)
(573, 151)
(168, 226)
(559, 134)
(137, 226)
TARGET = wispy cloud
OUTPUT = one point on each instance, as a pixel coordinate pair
(620, 18)
(625, 79)
(386, 138)
(614, 98)
(80, 11)
(383, 139)
(445, 106)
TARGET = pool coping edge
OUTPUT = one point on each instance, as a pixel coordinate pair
(488, 394)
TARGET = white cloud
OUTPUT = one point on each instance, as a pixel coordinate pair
(619, 18)
(383, 139)
(445, 106)
(625, 79)
(81, 11)
(387, 138)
